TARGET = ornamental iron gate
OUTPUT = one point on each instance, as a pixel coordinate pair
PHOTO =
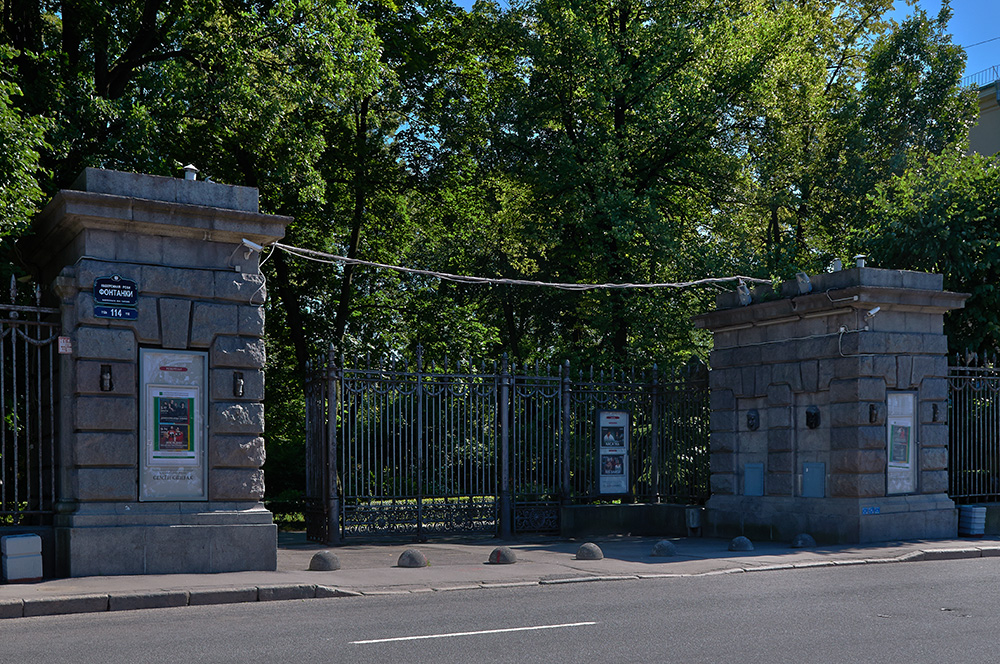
(974, 430)
(395, 450)
(28, 404)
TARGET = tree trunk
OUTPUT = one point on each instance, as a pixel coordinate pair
(357, 219)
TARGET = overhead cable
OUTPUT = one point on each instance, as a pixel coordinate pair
(322, 257)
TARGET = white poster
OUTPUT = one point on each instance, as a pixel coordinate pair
(612, 445)
(174, 433)
(901, 443)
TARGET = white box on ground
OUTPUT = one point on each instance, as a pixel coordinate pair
(19, 545)
(22, 557)
(22, 568)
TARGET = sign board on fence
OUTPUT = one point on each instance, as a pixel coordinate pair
(612, 456)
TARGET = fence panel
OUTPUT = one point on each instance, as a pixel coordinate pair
(470, 449)
(28, 405)
(974, 434)
(536, 459)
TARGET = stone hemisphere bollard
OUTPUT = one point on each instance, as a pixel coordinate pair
(664, 548)
(412, 558)
(324, 561)
(741, 544)
(803, 541)
(502, 555)
(589, 551)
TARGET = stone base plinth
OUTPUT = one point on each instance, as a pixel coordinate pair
(638, 519)
(833, 520)
(165, 538)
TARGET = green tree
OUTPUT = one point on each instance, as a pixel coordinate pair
(944, 216)
(22, 138)
(859, 100)
(618, 126)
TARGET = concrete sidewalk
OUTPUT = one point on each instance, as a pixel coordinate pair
(456, 564)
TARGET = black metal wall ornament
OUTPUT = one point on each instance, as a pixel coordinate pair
(872, 413)
(753, 419)
(812, 417)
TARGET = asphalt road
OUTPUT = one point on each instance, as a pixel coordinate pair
(914, 612)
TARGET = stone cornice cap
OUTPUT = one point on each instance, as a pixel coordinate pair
(167, 189)
(72, 212)
(834, 301)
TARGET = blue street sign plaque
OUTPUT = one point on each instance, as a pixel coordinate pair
(116, 291)
(122, 313)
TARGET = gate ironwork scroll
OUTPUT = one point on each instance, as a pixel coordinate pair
(419, 450)
(28, 404)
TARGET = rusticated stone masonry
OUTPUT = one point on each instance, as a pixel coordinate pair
(198, 290)
(805, 391)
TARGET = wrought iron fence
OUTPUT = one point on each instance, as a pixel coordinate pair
(28, 405)
(395, 449)
(974, 430)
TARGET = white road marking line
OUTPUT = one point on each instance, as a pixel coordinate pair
(485, 631)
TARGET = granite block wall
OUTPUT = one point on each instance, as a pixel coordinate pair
(198, 290)
(800, 382)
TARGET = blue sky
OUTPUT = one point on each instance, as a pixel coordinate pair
(972, 21)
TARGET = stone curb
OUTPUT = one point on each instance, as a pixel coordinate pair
(150, 600)
(129, 601)
(161, 599)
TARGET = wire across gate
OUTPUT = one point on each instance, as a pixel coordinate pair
(394, 450)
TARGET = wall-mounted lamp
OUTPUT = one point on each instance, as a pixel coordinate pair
(872, 414)
(744, 294)
(237, 383)
(107, 383)
(190, 172)
(837, 265)
(802, 279)
(859, 260)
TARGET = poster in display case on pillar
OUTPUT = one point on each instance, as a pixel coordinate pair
(174, 429)
(613, 451)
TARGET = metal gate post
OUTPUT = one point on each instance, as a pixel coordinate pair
(420, 443)
(506, 507)
(566, 387)
(333, 392)
(654, 453)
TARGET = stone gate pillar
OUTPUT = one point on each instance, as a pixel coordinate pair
(161, 414)
(829, 409)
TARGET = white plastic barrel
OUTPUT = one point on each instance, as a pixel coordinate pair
(971, 521)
